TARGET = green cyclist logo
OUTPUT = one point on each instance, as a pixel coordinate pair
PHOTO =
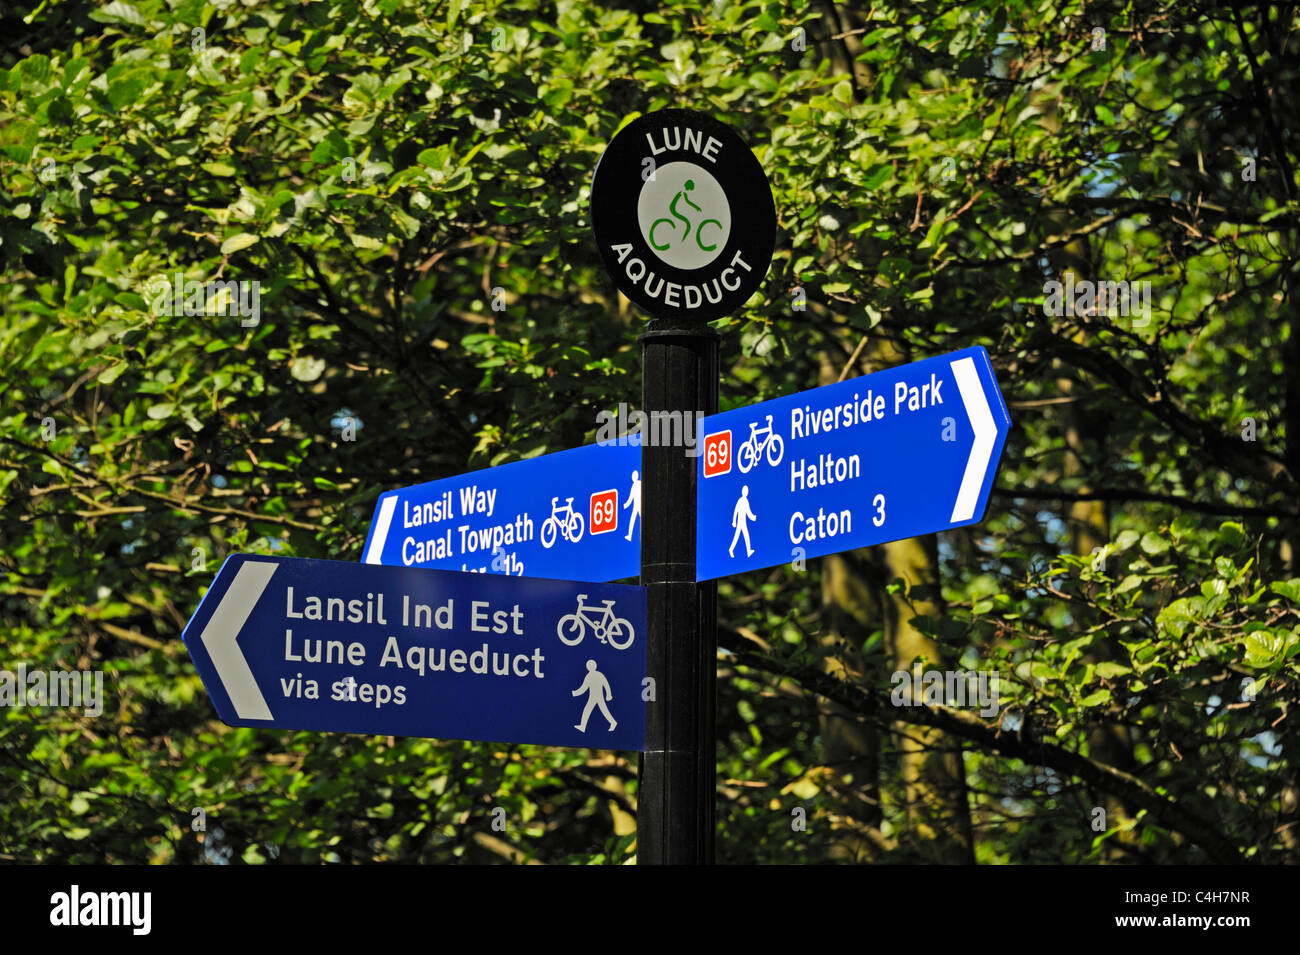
(671, 233)
(684, 216)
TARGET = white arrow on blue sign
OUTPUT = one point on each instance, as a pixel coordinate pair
(896, 454)
(292, 643)
(572, 515)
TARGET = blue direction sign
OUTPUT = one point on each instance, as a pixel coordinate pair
(899, 453)
(289, 643)
(572, 515)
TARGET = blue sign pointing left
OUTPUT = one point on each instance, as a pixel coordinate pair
(291, 643)
(572, 515)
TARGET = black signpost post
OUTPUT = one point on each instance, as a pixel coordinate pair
(675, 792)
(685, 222)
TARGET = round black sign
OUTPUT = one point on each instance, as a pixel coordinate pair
(683, 215)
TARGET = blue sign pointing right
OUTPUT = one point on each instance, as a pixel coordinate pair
(903, 452)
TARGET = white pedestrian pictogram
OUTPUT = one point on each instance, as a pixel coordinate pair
(740, 518)
(633, 499)
(597, 689)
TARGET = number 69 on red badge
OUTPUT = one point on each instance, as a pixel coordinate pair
(717, 454)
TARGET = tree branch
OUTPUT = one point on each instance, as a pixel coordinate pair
(1126, 786)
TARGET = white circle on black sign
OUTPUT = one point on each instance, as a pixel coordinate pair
(684, 215)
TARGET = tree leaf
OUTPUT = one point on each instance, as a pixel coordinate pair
(237, 242)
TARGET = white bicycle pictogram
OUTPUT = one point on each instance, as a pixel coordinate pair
(751, 452)
(616, 631)
(564, 521)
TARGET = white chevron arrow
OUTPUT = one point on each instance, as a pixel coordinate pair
(222, 631)
(986, 432)
(376, 550)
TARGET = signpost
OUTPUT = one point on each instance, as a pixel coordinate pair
(896, 454)
(572, 515)
(684, 220)
(290, 643)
